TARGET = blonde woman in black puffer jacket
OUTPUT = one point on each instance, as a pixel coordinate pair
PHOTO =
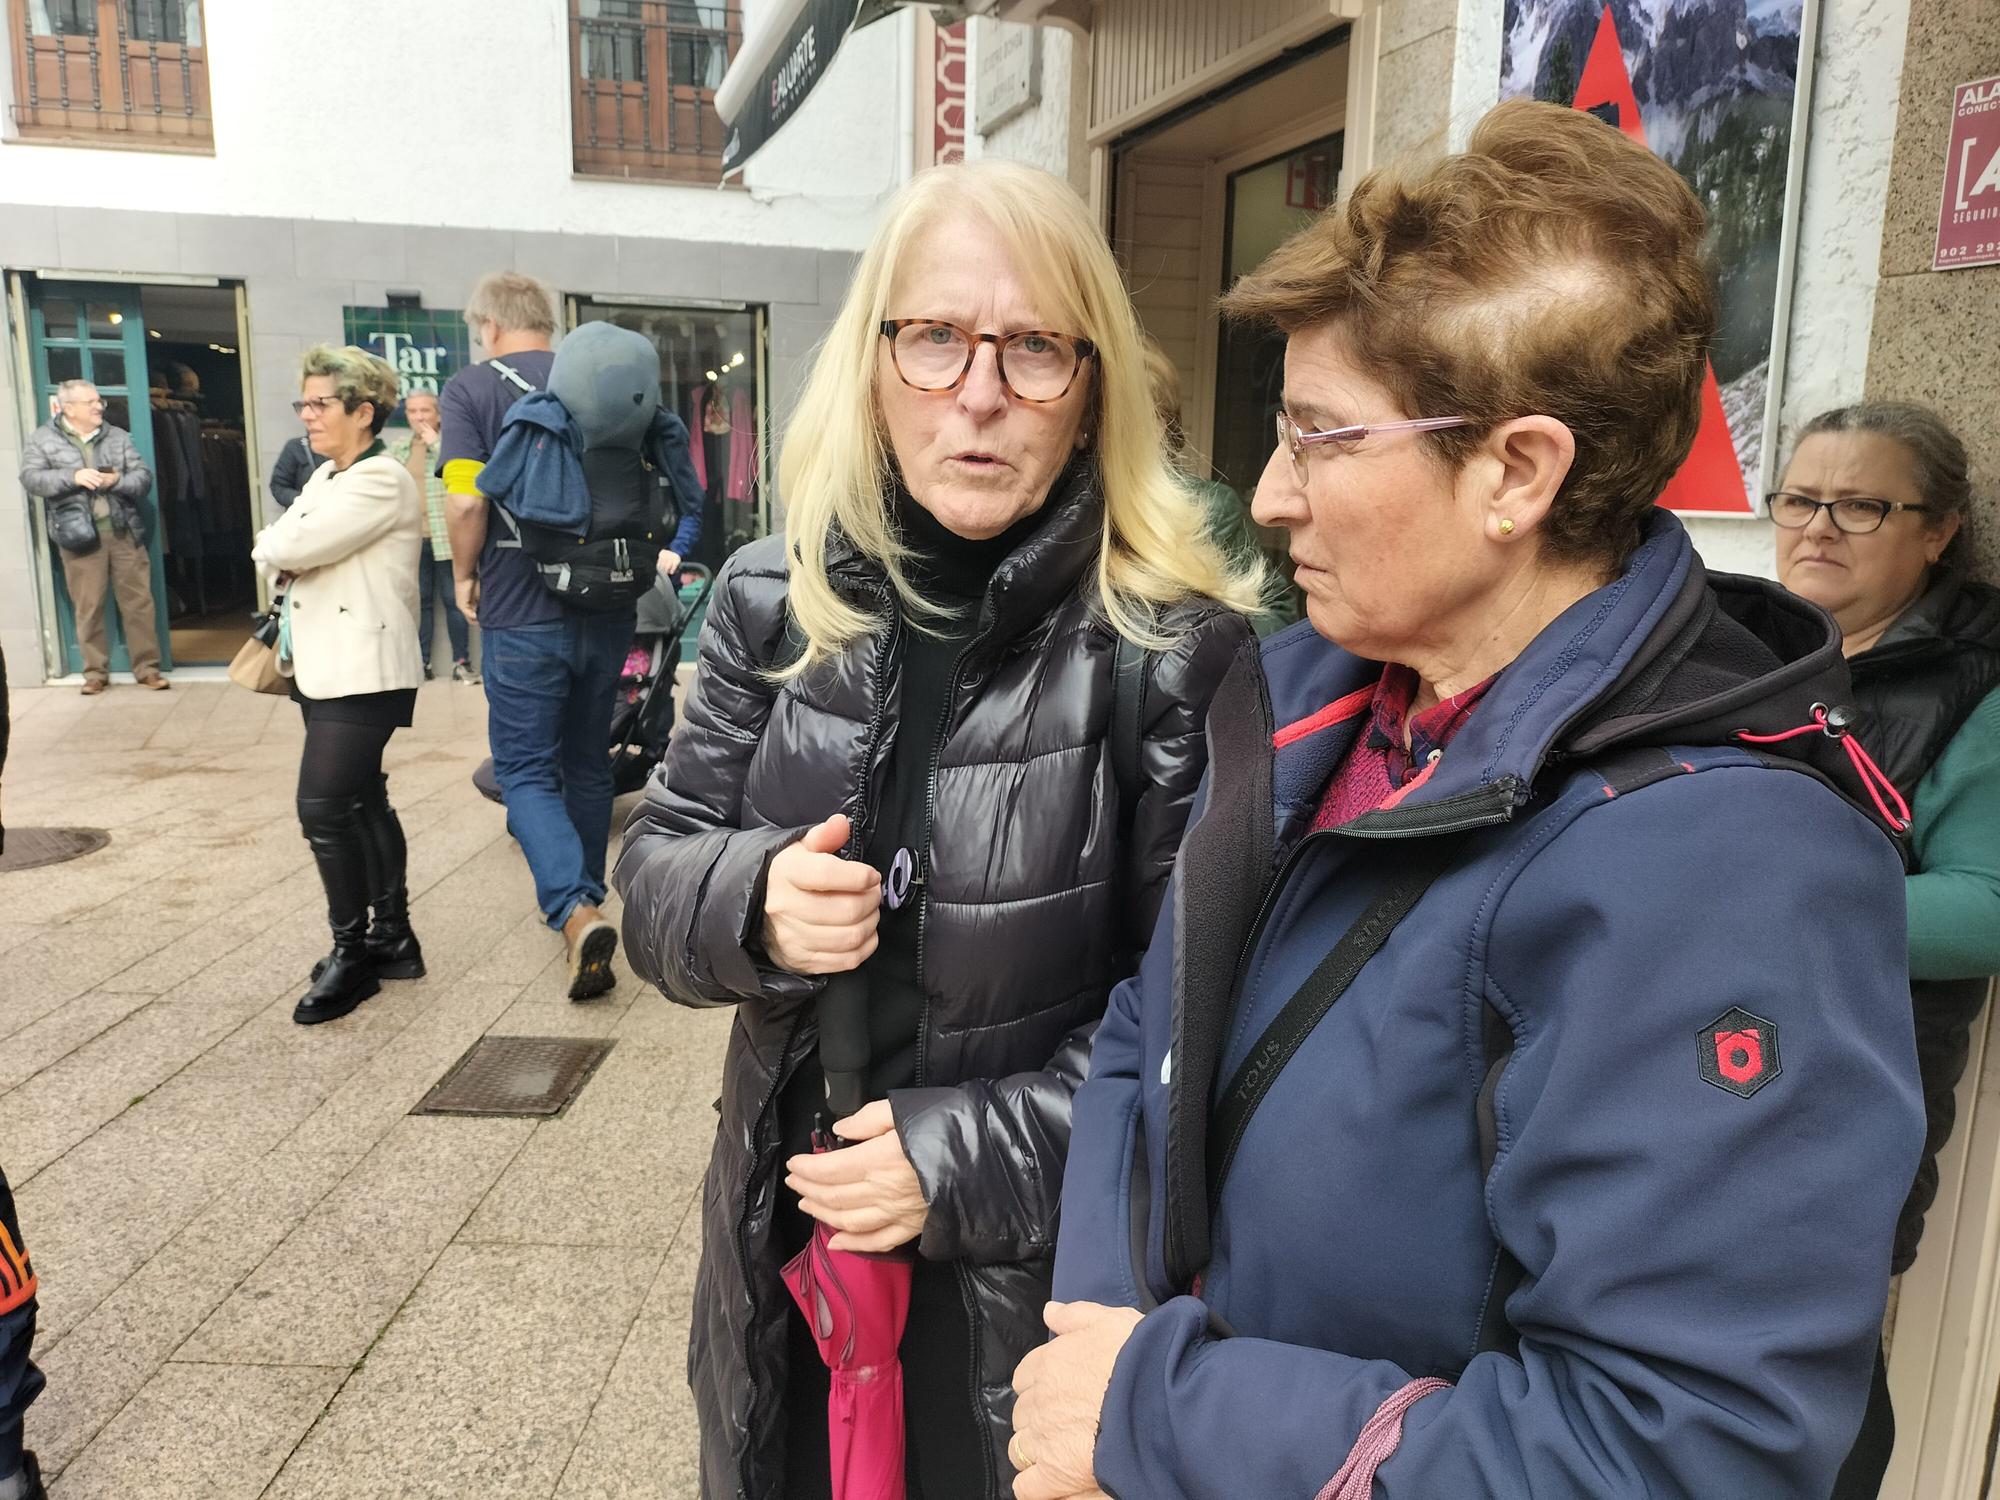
(913, 689)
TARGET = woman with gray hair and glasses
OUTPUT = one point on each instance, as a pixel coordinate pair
(1871, 515)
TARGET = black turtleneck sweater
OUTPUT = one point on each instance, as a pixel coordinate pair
(952, 571)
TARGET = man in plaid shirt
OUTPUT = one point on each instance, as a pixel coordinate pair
(418, 453)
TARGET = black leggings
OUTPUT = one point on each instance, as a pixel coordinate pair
(341, 759)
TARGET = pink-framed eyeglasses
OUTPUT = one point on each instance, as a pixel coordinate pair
(1296, 442)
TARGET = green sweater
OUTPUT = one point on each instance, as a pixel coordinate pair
(1955, 834)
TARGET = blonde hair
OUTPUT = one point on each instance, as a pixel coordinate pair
(835, 467)
(517, 303)
(357, 376)
(1163, 380)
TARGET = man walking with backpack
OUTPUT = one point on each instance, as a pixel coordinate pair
(551, 668)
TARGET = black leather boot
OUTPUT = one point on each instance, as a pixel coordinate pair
(391, 944)
(332, 825)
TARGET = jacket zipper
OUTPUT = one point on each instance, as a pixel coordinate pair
(971, 1307)
(1485, 806)
(856, 838)
(963, 1277)
(876, 731)
(930, 825)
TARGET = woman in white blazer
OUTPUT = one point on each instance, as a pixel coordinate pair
(346, 554)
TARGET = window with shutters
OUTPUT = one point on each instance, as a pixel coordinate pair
(111, 72)
(643, 90)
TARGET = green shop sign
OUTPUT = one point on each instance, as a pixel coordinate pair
(426, 346)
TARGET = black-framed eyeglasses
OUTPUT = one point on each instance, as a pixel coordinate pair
(1035, 364)
(1857, 515)
(316, 404)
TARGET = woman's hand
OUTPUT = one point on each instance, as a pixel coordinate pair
(821, 911)
(1059, 1397)
(869, 1191)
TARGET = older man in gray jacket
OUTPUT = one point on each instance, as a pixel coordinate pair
(91, 480)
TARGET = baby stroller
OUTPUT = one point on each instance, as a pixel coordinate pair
(642, 714)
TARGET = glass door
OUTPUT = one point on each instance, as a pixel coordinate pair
(1267, 203)
(97, 332)
(711, 377)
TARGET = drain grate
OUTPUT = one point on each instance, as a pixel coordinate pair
(31, 848)
(515, 1075)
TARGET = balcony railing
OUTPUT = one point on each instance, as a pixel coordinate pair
(129, 72)
(645, 74)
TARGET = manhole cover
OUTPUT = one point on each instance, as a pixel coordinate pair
(31, 848)
(515, 1075)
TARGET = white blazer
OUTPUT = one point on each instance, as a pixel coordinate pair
(352, 542)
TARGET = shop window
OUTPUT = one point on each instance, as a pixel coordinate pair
(110, 72)
(711, 377)
(643, 92)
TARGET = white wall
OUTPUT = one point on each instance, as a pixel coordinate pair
(1049, 134)
(457, 113)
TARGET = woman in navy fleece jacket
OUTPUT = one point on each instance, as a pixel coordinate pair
(1585, 1185)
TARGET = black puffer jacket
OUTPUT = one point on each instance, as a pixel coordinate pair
(1032, 912)
(1913, 691)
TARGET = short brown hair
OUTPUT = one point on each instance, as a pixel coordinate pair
(519, 304)
(1552, 268)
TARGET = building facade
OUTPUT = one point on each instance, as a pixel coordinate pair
(194, 191)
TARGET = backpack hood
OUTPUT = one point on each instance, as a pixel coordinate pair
(608, 379)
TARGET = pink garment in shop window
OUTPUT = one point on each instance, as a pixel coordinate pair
(742, 442)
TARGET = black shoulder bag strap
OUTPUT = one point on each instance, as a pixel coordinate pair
(1306, 1009)
(526, 387)
(1131, 675)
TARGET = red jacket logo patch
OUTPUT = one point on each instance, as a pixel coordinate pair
(1738, 1052)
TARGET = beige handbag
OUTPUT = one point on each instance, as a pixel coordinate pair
(256, 663)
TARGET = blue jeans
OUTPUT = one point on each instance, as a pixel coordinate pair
(549, 692)
(434, 577)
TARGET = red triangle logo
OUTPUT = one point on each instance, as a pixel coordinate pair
(1607, 82)
(1711, 479)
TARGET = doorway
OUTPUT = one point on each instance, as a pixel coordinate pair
(168, 362)
(201, 471)
(1197, 200)
(1265, 205)
(712, 377)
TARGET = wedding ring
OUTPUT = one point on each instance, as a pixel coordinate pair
(1015, 1456)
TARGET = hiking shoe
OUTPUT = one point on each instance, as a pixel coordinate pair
(592, 940)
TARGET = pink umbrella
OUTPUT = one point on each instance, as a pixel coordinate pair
(856, 1306)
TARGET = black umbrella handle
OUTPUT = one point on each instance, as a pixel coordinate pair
(843, 1042)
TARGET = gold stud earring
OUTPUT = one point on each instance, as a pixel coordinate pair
(1506, 526)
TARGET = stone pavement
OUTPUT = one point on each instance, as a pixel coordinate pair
(261, 1276)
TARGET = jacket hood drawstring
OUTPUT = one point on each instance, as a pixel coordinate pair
(1833, 723)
